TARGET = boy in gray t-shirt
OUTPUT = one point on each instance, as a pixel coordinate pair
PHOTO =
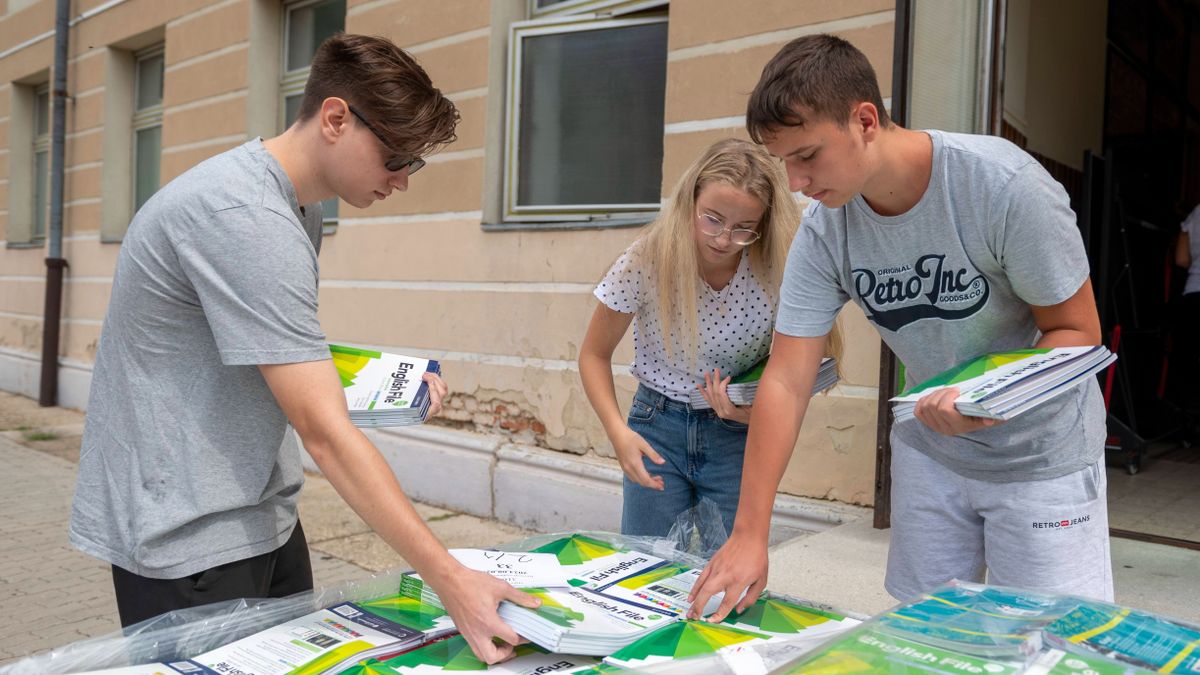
(954, 246)
(211, 346)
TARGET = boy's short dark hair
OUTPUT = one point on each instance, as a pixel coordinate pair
(386, 86)
(821, 74)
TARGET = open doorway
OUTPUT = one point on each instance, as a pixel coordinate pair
(1107, 96)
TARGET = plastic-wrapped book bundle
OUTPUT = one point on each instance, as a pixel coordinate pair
(970, 628)
(369, 627)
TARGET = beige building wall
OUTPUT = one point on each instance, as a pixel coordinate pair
(505, 311)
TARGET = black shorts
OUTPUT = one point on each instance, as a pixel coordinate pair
(276, 574)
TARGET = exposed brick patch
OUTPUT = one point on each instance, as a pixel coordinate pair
(491, 416)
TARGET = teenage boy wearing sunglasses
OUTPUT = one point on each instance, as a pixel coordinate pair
(211, 347)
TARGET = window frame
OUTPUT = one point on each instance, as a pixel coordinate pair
(291, 83)
(145, 118)
(41, 179)
(598, 7)
(514, 215)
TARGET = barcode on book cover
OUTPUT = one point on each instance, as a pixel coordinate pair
(669, 592)
(347, 611)
(185, 667)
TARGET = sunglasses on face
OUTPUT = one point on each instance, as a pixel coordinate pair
(395, 162)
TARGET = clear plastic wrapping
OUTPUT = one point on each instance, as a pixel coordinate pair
(187, 632)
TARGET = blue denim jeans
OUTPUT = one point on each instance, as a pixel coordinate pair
(703, 456)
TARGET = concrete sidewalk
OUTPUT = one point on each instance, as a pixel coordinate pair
(844, 566)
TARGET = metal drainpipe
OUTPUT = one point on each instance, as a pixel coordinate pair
(55, 263)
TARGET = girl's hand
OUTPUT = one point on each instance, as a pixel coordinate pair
(715, 392)
(938, 412)
(631, 447)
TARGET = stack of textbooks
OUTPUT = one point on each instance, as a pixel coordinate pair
(985, 621)
(971, 628)
(383, 390)
(1005, 384)
(630, 606)
(743, 388)
(609, 598)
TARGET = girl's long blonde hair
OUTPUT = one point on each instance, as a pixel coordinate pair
(668, 247)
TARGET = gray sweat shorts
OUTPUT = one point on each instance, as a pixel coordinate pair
(1043, 535)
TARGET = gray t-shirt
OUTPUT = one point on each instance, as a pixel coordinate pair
(950, 280)
(182, 466)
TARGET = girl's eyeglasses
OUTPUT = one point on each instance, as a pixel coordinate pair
(395, 162)
(712, 226)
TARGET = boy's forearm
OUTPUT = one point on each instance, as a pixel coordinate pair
(1067, 337)
(364, 480)
(774, 425)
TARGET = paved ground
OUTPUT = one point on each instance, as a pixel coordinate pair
(51, 594)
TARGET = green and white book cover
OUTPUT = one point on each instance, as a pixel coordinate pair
(868, 651)
(780, 617)
(662, 588)
(455, 655)
(968, 375)
(616, 567)
(376, 380)
(577, 550)
(681, 640)
(586, 612)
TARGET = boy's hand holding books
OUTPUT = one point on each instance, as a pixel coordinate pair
(471, 599)
(999, 386)
(437, 392)
(938, 412)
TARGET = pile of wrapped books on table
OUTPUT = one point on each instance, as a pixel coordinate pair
(743, 388)
(1005, 384)
(605, 608)
(613, 600)
(610, 608)
(971, 628)
(383, 390)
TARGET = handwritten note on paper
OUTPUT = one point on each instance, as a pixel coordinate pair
(522, 570)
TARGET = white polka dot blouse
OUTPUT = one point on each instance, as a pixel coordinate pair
(735, 326)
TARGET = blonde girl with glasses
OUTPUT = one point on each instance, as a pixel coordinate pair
(700, 287)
